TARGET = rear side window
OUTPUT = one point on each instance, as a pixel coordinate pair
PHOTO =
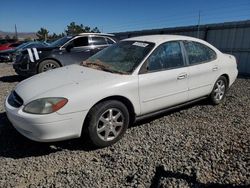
(80, 41)
(198, 53)
(166, 56)
(98, 41)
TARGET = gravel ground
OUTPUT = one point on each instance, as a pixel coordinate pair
(197, 146)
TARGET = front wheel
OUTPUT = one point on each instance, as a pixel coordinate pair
(108, 121)
(219, 90)
(47, 65)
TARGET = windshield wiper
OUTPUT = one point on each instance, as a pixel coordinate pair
(102, 66)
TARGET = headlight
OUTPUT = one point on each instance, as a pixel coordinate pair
(45, 105)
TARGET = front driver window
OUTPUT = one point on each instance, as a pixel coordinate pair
(80, 41)
(166, 56)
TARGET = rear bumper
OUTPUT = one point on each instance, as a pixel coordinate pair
(46, 128)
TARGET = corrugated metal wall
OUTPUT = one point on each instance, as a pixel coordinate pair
(231, 37)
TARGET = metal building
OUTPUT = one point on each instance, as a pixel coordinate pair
(229, 37)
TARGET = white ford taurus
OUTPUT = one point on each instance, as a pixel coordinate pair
(134, 78)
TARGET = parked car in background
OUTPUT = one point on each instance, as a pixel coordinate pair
(9, 55)
(4, 41)
(132, 79)
(64, 51)
(8, 46)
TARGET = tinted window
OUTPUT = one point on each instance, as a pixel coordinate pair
(166, 56)
(198, 53)
(98, 41)
(60, 42)
(80, 41)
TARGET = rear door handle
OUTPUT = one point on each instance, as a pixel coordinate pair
(215, 68)
(182, 76)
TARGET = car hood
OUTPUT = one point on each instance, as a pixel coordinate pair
(42, 85)
(43, 49)
(4, 52)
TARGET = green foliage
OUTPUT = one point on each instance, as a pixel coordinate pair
(42, 34)
(73, 29)
(14, 37)
(7, 37)
(28, 39)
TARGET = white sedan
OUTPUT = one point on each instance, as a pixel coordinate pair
(132, 79)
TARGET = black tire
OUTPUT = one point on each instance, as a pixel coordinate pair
(47, 65)
(219, 91)
(97, 129)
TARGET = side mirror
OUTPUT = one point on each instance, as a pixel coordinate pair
(69, 47)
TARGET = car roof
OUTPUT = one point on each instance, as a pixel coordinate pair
(158, 39)
(101, 34)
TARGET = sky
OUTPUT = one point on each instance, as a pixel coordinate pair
(117, 16)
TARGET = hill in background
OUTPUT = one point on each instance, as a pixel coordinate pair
(21, 35)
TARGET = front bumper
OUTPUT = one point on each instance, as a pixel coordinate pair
(46, 128)
(24, 67)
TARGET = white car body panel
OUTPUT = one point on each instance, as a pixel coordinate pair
(201, 79)
(162, 89)
(84, 87)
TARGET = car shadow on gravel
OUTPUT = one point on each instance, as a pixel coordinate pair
(204, 102)
(14, 145)
(191, 180)
(11, 79)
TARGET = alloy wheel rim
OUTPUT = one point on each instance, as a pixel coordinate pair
(219, 90)
(48, 66)
(110, 124)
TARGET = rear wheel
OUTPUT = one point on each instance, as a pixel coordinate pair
(47, 65)
(108, 121)
(219, 90)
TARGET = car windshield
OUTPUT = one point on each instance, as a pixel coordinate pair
(122, 57)
(60, 42)
(21, 46)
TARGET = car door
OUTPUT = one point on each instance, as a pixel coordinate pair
(79, 50)
(203, 69)
(163, 78)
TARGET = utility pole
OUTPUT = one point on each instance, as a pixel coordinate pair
(198, 27)
(16, 32)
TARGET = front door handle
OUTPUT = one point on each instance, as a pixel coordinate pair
(215, 68)
(182, 76)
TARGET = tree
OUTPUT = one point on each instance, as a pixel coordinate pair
(95, 30)
(14, 37)
(42, 34)
(74, 29)
(28, 39)
(7, 37)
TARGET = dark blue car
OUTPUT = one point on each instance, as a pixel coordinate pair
(9, 55)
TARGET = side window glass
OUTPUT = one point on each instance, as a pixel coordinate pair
(98, 41)
(198, 53)
(166, 56)
(80, 41)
